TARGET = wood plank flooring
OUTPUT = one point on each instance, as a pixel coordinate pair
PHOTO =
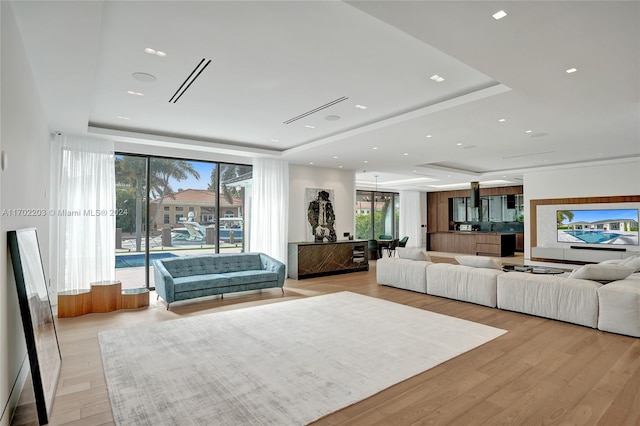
(540, 372)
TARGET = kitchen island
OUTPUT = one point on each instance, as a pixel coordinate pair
(500, 244)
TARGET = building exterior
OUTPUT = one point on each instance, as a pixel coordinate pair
(175, 208)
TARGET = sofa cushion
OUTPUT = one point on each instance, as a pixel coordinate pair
(199, 282)
(403, 273)
(412, 253)
(632, 262)
(478, 262)
(603, 273)
(250, 277)
(550, 296)
(459, 282)
(620, 307)
(186, 266)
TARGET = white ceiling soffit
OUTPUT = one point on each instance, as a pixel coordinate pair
(284, 80)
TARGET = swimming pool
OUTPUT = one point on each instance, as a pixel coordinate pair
(593, 237)
(136, 260)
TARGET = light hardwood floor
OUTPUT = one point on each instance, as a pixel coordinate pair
(540, 372)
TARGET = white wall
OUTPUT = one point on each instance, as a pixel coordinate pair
(343, 184)
(24, 136)
(619, 178)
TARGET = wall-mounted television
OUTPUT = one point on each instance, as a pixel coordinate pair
(598, 226)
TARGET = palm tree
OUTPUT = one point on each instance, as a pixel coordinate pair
(564, 214)
(131, 172)
(227, 173)
(162, 171)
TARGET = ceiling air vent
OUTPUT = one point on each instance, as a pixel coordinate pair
(189, 80)
(313, 111)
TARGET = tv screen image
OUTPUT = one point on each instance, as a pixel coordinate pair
(595, 226)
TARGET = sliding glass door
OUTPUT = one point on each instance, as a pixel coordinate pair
(377, 215)
(188, 207)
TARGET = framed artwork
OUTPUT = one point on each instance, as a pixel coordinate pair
(321, 216)
(40, 334)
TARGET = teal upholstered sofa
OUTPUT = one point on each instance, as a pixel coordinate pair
(188, 277)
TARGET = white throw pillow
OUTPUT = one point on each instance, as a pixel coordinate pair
(601, 272)
(478, 262)
(412, 253)
(632, 262)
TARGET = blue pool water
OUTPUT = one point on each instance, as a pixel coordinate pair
(593, 236)
(134, 260)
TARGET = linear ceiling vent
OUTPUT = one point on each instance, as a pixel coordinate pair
(313, 111)
(189, 80)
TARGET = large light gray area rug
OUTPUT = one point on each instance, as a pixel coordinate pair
(286, 363)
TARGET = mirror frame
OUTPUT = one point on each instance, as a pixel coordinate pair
(38, 322)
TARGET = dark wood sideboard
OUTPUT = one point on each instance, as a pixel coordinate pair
(310, 259)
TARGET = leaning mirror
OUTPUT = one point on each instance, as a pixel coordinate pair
(37, 318)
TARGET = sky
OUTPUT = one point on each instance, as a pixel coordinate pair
(595, 215)
(191, 182)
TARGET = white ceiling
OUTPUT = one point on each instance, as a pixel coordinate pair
(272, 61)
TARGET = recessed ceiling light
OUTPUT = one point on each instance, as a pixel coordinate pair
(332, 117)
(374, 148)
(132, 92)
(274, 140)
(309, 126)
(122, 117)
(335, 156)
(459, 144)
(311, 162)
(528, 131)
(428, 136)
(502, 120)
(499, 14)
(366, 161)
(151, 51)
(361, 106)
(406, 153)
(339, 167)
(571, 70)
(437, 78)
(144, 77)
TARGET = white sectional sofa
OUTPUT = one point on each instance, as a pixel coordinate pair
(466, 283)
(406, 274)
(619, 306)
(550, 296)
(578, 298)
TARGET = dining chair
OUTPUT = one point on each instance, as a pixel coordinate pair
(374, 250)
(391, 248)
(403, 242)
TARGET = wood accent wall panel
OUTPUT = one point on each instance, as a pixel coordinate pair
(533, 211)
(438, 204)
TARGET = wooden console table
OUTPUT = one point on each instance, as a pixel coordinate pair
(104, 296)
(310, 259)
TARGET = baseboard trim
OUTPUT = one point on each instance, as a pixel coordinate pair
(16, 390)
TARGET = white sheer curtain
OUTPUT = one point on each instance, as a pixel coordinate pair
(410, 214)
(83, 200)
(270, 208)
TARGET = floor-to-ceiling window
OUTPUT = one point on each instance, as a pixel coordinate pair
(377, 215)
(175, 207)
